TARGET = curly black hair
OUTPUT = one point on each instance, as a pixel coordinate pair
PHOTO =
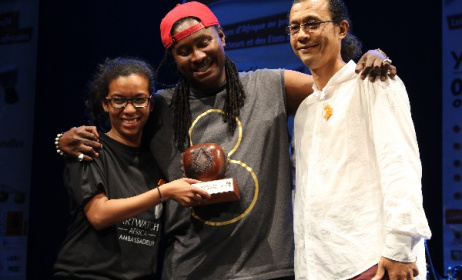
(98, 87)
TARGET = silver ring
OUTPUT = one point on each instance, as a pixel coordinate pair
(386, 60)
(80, 157)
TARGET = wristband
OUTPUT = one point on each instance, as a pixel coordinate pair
(58, 136)
(160, 195)
(160, 183)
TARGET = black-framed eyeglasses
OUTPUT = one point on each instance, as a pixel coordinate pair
(308, 27)
(120, 102)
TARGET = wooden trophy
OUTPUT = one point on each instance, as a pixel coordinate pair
(207, 162)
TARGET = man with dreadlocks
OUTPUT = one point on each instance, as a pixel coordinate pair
(246, 114)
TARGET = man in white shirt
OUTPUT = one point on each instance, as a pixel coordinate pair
(358, 203)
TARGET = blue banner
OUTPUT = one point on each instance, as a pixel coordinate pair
(18, 50)
(452, 132)
(255, 36)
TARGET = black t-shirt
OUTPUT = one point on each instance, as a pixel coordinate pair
(127, 250)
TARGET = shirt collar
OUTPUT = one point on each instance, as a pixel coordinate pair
(347, 72)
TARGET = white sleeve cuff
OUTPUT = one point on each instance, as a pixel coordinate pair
(399, 248)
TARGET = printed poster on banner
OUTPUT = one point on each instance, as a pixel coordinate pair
(18, 49)
(255, 33)
(452, 132)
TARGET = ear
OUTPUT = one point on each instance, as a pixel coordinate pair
(222, 35)
(105, 105)
(343, 29)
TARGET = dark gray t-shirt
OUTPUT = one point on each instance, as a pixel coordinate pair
(247, 239)
(127, 250)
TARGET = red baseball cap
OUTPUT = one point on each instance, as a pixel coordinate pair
(189, 9)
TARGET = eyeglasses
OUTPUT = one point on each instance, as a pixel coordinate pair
(122, 102)
(308, 27)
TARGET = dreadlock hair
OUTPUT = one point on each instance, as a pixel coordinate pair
(182, 118)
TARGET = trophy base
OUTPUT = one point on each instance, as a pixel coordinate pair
(223, 190)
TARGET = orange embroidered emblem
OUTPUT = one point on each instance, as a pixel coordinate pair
(328, 112)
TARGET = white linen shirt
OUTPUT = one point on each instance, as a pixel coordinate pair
(358, 179)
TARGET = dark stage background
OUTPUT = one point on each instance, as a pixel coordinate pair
(76, 35)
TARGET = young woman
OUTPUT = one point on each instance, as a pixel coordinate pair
(115, 204)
